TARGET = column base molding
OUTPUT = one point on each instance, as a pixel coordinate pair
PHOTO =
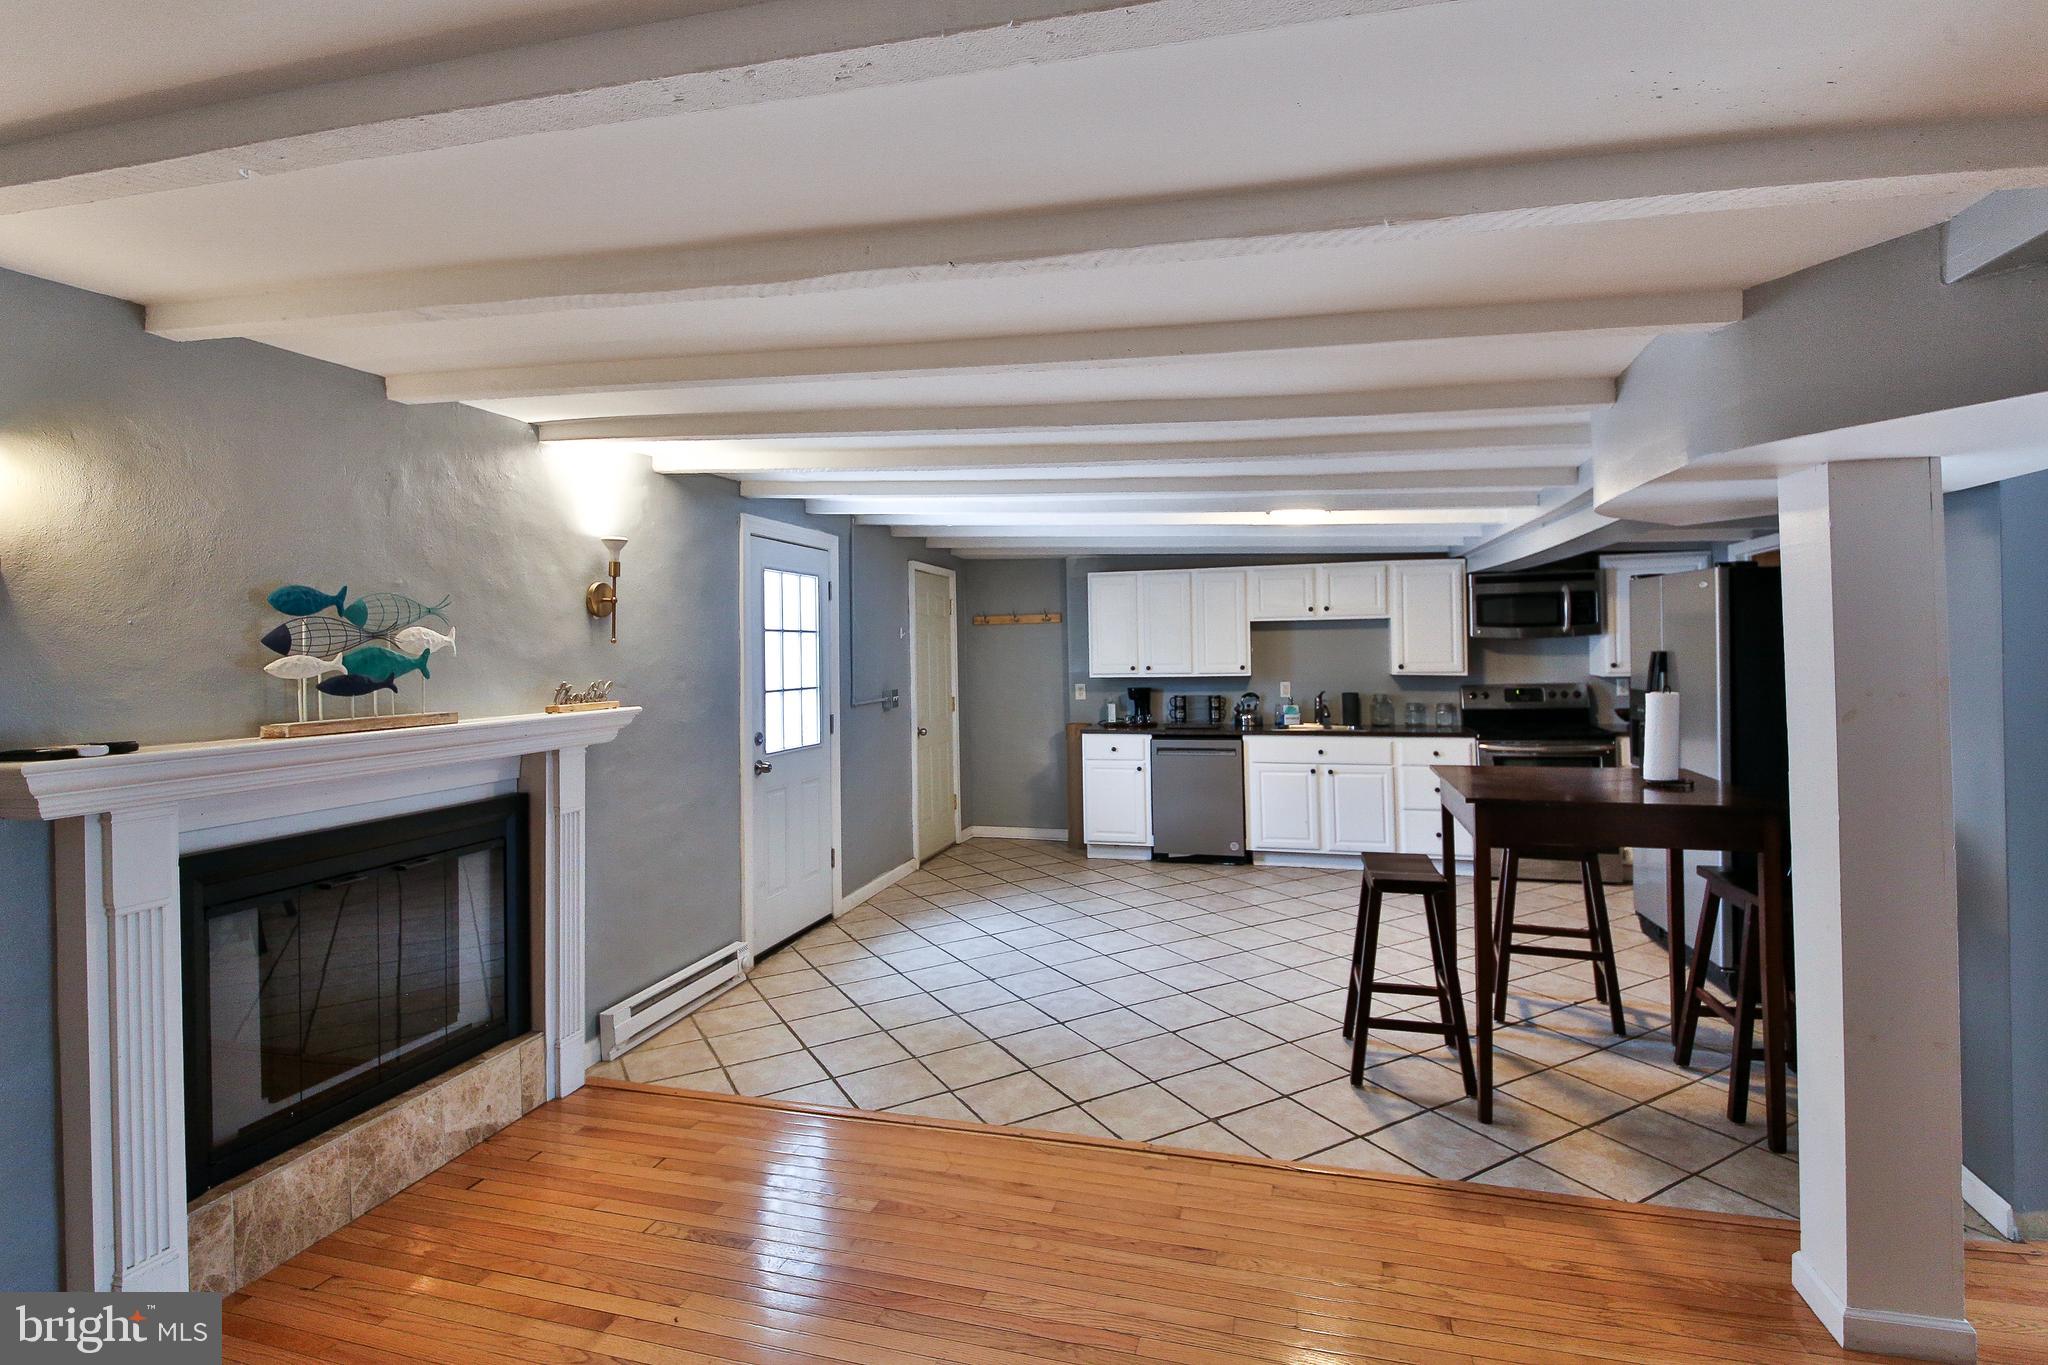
(1914, 1336)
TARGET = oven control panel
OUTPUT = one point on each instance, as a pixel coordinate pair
(1493, 696)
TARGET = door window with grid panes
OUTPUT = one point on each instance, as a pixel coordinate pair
(792, 706)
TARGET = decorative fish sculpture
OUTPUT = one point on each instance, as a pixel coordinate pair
(414, 638)
(384, 612)
(375, 661)
(353, 685)
(300, 667)
(325, 636)
(296, 599)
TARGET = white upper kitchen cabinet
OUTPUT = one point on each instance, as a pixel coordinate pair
(1283, 806)
(1112, 624)
(1223, 631)
(1352, 592)
(1427, 601)
(1284, 592)
(1166, 623)
(1358, 809)
(1611, 650)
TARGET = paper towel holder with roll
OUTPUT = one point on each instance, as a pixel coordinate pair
(1658, 691)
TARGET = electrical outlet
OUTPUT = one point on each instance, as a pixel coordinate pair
(1286, 689)
(1080, 691)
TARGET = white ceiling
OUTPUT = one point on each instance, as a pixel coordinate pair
(720, 235)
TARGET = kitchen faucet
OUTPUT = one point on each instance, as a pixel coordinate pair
(1322, 708)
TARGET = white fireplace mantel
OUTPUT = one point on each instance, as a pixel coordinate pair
(121, 823)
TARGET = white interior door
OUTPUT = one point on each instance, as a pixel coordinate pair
(791, 662)
(933, 699)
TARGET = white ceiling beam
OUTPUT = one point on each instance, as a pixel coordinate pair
(1118, 492)
(1652, 314)
(1197, 540)
(2001, 232)
(1397, 450)
(1585, 187)
(1540, 398)
(1039, 523)
(1168, 533)
(721, 56)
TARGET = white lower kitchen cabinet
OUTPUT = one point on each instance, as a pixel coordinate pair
(1319, 794)
(1358, 808)
(1422, 832)
(1116, 790)
(1421, 792)
(1283, 806)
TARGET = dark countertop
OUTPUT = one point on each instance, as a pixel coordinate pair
(1232, 732)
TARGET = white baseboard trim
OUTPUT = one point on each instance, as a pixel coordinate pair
(1012, 832)
(1120, 853)
(874, 888)
(1914, 1335)
(1991, 1206)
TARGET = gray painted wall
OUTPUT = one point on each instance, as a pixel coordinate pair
(151, 491)
(1012, 716)
(1871, 336)
(1998, 577)
(1976, 627)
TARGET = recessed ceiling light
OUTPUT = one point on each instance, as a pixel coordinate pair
(1298, 516)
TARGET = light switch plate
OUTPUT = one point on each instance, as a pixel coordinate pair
(1080, 691)
(1287, 689)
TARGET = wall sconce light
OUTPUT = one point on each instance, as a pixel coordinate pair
(601, 598)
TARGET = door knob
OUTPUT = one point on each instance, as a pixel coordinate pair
(762, 768)
(922, 732)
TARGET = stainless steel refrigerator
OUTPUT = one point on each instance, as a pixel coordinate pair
(1722, 631)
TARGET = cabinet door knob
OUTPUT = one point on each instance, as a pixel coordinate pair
(1319, 752)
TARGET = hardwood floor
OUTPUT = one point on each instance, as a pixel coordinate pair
(626, 1223)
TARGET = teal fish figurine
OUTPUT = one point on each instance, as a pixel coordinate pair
(375, 661)
(296, 599)
(384, 612)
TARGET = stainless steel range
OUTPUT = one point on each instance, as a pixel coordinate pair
(1542, 724)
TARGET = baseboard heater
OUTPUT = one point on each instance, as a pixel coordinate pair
(640, 1014)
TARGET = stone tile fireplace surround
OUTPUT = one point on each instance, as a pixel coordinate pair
(121, 824)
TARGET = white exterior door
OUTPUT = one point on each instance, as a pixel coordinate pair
(1112, 624)
(1358, 809)
(1223, 633)
(790, 663)
(1356, 592)
(1284, 806)
(933, 698)
(1166, 623)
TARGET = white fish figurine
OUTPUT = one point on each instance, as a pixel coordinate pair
(296, 667)
(302, 668)
(414, 639)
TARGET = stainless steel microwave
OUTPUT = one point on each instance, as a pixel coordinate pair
(1521, 606)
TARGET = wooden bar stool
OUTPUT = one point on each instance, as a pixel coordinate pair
(1407, 874)
(1752, 990)
(1599, 940)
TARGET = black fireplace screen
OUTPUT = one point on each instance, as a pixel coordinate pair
(325, 973)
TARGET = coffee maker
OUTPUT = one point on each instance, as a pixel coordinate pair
(1144, 704)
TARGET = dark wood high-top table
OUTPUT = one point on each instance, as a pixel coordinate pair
(1591, 810)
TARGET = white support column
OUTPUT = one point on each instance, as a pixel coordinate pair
(1874, 907)
(121, 1048)
(555, 790)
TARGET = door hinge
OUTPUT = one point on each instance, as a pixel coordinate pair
(828, 589)
(954, 702)
(831, 725)
(956, 803)
(835, 857)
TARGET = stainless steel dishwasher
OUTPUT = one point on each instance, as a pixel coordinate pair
(1198, 798)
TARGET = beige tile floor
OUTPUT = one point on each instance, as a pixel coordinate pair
(1199, 1006)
